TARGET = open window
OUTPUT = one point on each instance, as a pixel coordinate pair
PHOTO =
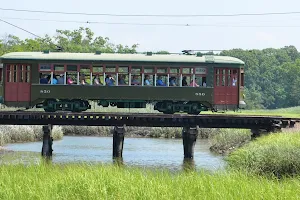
(188, 78)
(98, 75)
(162, 76)
(175, 77)
(45, 74)
(200, 76)
(123, 75)
(72, 75)
(111, 78)
(149, 76)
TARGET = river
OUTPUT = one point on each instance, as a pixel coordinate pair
(140, 152)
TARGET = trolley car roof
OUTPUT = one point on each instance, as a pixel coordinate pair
(171, 58)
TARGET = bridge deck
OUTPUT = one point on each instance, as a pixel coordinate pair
(142, 119)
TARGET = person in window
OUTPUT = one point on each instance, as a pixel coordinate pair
(184, 82)
(147, 80)
(61, 79)
(70, 80)
(109, 80)
(54, 80)
(44, 79)
(172, 81)
(204, 84)
(194, 83)
(234, 81)
(82, 80)
(160, 82)
(121, 80)
(135, 80)
(96, 80)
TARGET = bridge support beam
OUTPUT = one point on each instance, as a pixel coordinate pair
(47, 141)
(189, 137)
(118, 141)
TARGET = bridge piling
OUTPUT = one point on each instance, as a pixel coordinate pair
(118, 141)
(189, 137)
(47, 141)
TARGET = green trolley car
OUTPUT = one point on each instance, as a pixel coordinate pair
(173, 83)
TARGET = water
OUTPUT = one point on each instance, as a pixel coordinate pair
(141, 152)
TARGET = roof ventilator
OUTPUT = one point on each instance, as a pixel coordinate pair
(149, 53)
(98, 53)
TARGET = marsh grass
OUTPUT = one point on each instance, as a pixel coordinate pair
(225, 141)
(276, 154)
(16, 133)
(74, 181)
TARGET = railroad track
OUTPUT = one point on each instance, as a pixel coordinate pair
(145, 119)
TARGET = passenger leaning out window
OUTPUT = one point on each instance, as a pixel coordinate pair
(109, 80)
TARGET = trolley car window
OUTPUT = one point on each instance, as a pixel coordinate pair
(60, 68)
(98, 69)
(229, 77)
(98, 75)
(85, 75)
(44, 67)
(123, 75)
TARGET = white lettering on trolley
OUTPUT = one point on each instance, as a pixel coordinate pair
(44, 91)
(199, 94)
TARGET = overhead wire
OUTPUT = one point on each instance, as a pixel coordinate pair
(154, 24)
(57, 46)
(152, 15)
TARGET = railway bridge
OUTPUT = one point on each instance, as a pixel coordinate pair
(189, 124)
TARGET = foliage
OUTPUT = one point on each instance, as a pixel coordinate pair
(271, 76)
(276, 154)
(81, 40)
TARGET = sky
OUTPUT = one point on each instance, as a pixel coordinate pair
(211, 33)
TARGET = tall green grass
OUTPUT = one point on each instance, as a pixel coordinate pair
(109, 182)
(276, 154)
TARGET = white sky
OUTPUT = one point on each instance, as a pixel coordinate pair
(173, 39)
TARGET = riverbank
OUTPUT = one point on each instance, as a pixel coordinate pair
(74, 181)
(275, 154)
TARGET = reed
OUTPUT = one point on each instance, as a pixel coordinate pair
(275, 154)
(76, 181)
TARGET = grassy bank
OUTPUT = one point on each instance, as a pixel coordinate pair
(225, 141)
(275, 154)
(109, 182)
(15, 134)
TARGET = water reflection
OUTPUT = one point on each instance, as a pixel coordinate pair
(138, 152)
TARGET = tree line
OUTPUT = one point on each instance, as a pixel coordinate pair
(272, 76)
